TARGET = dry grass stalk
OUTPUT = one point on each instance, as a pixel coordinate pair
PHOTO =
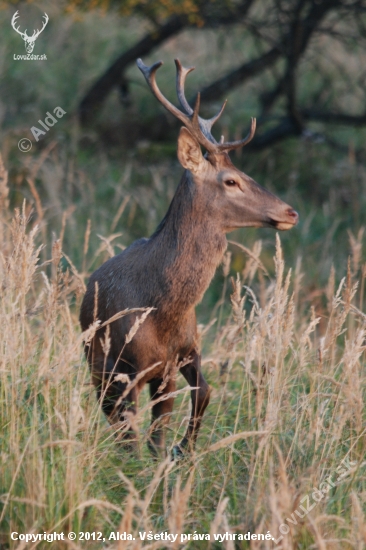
(301, 391)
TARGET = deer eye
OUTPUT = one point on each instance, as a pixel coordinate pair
(230, 183)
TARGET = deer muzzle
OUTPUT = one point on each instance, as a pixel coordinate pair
(288, 220)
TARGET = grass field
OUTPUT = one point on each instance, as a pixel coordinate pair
(286, 411)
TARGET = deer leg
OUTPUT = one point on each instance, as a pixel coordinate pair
(160, 414)
(200, 398)
(109, 395)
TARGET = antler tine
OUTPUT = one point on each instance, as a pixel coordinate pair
(200, 130)
(38, 32)
(13, 22)
(149, 74)
(202, 127)
(181, 78)
(195, 117)
(230, 145)
(205, 125)
(212, 120)
(15, 17)
(46, 19)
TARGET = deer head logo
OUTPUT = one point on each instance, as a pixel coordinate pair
(29, 40)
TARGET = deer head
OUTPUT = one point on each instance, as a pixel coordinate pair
(231, 198)
(29, 40)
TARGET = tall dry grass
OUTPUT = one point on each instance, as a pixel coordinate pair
(287, 408)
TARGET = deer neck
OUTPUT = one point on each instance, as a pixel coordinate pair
(190, 248)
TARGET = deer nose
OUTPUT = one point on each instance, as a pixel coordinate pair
(293, 215)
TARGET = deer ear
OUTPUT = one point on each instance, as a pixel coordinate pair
(189, 151)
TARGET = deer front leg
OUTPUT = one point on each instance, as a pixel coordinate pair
(161, 412)
(200, 398)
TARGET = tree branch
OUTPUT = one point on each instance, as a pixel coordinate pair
(239, 75)
(102, 87)
(334, 118)
(286, 128)
(176, 23)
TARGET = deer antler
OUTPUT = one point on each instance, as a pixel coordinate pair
(199, 127)
(13, 21)
(24, 35)
(37, 32)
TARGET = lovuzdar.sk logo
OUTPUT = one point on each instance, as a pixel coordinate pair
(29, 41)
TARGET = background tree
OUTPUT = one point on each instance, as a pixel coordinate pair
(289, 39)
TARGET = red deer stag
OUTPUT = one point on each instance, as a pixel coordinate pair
(170, 272)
